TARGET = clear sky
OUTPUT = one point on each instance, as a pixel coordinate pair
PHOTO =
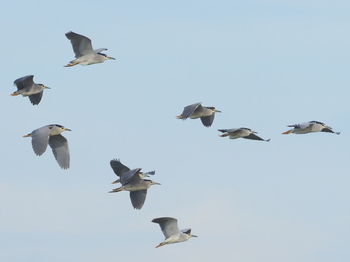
(264, 64)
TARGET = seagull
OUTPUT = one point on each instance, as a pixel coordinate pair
(84, 53)
(310, 127)
(132, 181)
(171, 231)
(51, 134)
(242, 132)
(194, 111)
(27, 87)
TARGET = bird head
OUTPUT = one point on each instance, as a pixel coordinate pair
(188, 233)
(57, 129)
(44, 86)
(151, 182)
(212, 108)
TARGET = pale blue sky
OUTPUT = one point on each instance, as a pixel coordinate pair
(265, 64)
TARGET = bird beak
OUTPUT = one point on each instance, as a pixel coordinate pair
(110, 58)
(287, 132)
(194, 236)
(47, 87)
(67, 129)
(156, 183)
(217, 111)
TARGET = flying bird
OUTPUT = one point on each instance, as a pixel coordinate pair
(171, 231)
(51, 134)
(205, 113)
(84, 53)
(242, 132)
(133, 181)
(27, 87)
(310, 127)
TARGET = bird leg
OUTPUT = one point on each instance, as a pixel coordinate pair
(160, 244)
(117, 190)
(180, 117)
(71, 63)
(288, 132)
(14, 94)
(29, 135)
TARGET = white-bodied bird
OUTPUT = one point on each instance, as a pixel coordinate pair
(194, 111)
(310, 127)
(242, 132)
(171, 231)
(132, 181)
(51, 134)
(84, 53)
(27, 87)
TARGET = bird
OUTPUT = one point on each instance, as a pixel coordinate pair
(242, 132)
(51, 134)
(119, 168)
(132, 181)
(194, 111)
(309, 127)
(84, 53)
(171, 231)
(27, 87)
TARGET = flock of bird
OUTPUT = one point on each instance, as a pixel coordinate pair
(132, 180)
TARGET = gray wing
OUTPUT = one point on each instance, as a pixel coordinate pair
(138, 198)
(255, 137)
(36, 98)
(81, 44)
(189, 110)
(118, 167)
(130, 176)
(40, 139)
(24, 82)
(208, 120)
(168, 225)
(60, 150)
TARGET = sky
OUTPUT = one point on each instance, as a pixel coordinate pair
(264, 64)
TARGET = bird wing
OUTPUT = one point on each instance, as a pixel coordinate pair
(81, 44)
(40, 139)
(301, 125)
(118, 167)
(130, 176)
(208, 120)
(189, 110)
(151, 173)
(168, 225)
(36, 98)
(254, 137)
(59, 145)
(24, 82)
(138, 198)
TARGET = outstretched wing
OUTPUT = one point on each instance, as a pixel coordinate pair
(254, 137)
(168, 225)
(36, 98)
(208, 120)
(189, 110)
(138, 198)
(24, 82)
(81, 44)
(118, 167)
(40, 139)
(59, 145)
